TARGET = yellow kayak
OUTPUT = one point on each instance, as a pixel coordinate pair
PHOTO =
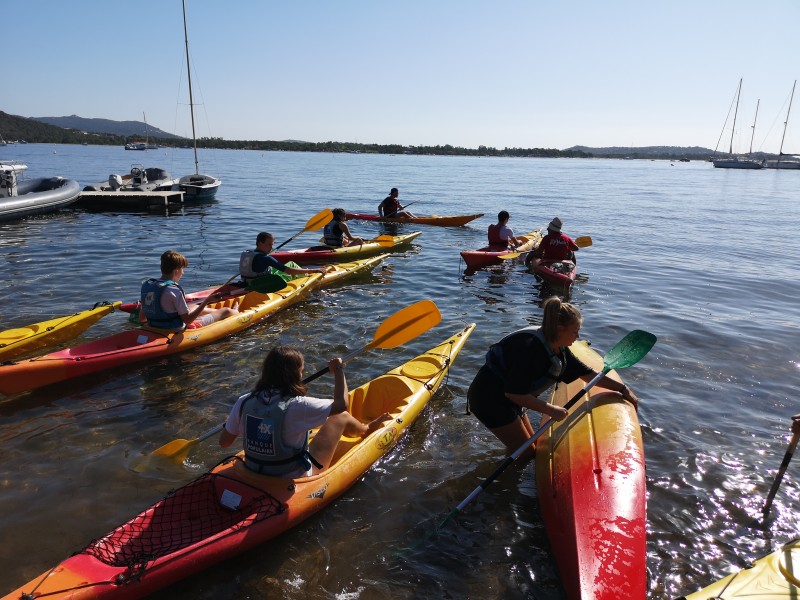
(22, 340)
(774, 577)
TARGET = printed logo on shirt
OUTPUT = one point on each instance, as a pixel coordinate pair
(259, 438)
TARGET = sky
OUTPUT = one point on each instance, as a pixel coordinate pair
(501, 73)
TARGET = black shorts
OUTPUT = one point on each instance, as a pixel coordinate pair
(488, 402)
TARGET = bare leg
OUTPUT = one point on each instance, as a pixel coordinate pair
(515, 434)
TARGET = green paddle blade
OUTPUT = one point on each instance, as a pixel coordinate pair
(629, 350)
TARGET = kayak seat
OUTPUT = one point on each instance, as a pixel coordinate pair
(387, 393)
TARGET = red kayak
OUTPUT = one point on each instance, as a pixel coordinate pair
(590, 476)
(489, 255)
(443, 221)
(560, 273)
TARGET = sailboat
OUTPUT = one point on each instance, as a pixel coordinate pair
(793, 162)
(738, 162)
(195, 186)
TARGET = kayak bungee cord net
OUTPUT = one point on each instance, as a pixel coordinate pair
(186, 516)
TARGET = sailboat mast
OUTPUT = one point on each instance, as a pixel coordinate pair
(146, 136)
(786, 122)
(752, 135)
(191, 100)
(735, 112)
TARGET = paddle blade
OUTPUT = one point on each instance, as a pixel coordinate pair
(175, 451)
(629, 350)
(266, 284)
(510, 255)
(583, 242)
(384, 240)
(406, 324)
(319, 220)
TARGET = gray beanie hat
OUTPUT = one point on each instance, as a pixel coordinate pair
(555, 225)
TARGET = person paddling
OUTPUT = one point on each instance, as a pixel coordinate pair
(522, 366)
(275, 418)
(555, 246)
(501, 236)
(164, 301)
(254, 263)
(391, 207)
(337, 233)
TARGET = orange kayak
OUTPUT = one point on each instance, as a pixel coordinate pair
(140, 344)
(590, 475)
(231, 509)
(489, 256)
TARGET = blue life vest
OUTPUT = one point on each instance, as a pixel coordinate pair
(333, 234)
(152, 290)
(264, 416)
(496, 362)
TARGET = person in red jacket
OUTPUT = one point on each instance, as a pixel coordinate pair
(554, 246)
(501, 235)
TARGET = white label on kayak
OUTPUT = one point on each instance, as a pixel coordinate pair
(142, 339)
(230, 499)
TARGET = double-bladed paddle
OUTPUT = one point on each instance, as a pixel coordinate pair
(402, 208)
(628, 351)
(318, 221)
(784, 464)
(581, 242)
(400, 328)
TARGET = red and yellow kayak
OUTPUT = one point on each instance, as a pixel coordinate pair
(444, 221)
(24, 340)
(489, 256)
(141, 344)
(327, 253)
(559, 273)
(231, 509)
(590, 474)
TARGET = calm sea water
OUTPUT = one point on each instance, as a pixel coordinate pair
(704, 258)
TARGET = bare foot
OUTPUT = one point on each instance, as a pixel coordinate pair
(375, 424)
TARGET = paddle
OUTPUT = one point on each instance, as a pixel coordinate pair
(400, 328)
(628, 351)
(786, 458)
(318, 221)
(581, 242)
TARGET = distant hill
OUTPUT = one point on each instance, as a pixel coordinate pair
(13, 128)
(661, 152)
(123, 128)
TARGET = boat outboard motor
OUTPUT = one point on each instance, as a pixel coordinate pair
(114, 181)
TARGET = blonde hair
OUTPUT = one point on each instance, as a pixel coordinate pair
(558, 313)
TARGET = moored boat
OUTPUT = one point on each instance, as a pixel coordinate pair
(25, 197)
(23, 340)
(231, 509)
(556, 272)
(773, 577)
(328, 253)
(135, 345)
(489, 255)
(444, 221)
(590, 475)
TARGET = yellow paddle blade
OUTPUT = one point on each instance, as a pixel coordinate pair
(319, 220)
(510, 255)
(384, 240)
(406, 324)
(176, 450)
(583, 242)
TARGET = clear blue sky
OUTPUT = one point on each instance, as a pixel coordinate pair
(517, 73)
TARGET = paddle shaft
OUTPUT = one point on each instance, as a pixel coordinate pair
(401, 208)
(321, 219)
(786, 459)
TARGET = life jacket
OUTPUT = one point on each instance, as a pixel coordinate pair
(391, 206)
(246, 264)
(494, 236)
(152, 290)
(496, 362)
(332, 234)
(264, 417)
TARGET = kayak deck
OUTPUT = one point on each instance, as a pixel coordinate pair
(231, 509)
(590, 474)
(557, 272)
